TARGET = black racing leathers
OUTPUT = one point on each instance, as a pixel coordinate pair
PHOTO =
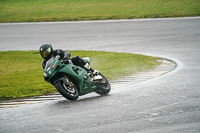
(76, 60)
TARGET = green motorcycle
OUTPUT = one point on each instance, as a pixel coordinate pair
(73, 81)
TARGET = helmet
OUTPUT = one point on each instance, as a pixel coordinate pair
(46, 50)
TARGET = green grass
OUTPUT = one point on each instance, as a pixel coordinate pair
(22, 74)
(70, 10)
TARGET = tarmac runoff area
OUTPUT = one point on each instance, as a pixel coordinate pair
(165, 67)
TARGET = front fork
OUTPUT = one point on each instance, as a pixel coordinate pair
(68, 80)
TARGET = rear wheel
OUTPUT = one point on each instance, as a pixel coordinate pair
(68, 91)
(103, 86)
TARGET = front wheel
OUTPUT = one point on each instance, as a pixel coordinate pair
(103, 86)
(68, 91)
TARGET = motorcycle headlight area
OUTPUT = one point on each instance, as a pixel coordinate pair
(44, 74)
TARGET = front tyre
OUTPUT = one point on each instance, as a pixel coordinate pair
(103, 86)
(68, 91)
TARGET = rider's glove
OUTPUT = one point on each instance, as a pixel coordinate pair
(58, 56)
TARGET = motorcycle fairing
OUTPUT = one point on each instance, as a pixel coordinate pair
(56, 68)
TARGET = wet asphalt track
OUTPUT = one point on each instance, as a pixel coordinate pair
(167, 104)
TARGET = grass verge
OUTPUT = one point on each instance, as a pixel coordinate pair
(22, 74)
(75, 10)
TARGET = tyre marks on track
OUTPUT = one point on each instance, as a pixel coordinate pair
(165, 67)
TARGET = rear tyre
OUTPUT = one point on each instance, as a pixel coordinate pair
(103, 86)
(68, 91)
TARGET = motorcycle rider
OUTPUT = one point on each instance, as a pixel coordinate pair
(47, 52)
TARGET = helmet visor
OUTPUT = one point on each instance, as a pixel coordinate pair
(46, 53)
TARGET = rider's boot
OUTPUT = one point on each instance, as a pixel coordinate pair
(87, 66)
